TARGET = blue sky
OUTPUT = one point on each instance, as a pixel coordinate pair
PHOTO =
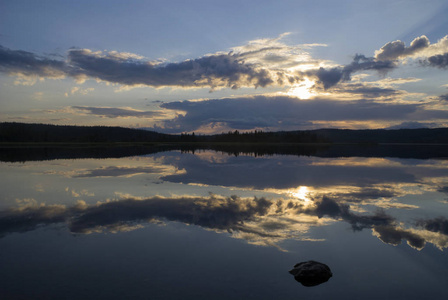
(213, 66)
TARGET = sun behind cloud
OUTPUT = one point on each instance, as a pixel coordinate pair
(302, 90)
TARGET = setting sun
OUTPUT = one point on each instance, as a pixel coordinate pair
(302, 89)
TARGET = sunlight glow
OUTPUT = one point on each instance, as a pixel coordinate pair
(302, 89)
(301, 193)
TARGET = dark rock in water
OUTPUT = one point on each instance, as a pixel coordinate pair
(311, 273)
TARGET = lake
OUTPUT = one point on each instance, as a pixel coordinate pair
(223, 223)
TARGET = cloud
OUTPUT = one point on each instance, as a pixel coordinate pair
(444, 97)
(218, 70)
(419, 47)
(286, 113)
(368, 91)
(14, 62)
(438, 48)
(439, 61)
(113, 112)
(331, 77)
(78, 90)
(397, 49)
(259, 63)
(385, 60)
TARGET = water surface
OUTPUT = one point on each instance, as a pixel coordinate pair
(225, 224)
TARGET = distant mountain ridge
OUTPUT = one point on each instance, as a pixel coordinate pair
(11, 132)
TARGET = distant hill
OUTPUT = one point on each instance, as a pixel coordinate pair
(43, 133)
(22, 132)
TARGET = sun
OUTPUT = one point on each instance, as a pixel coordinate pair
(302, 89)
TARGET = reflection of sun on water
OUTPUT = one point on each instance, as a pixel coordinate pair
(301, 193)
(302, 90)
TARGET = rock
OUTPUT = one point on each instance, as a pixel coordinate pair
(311, 273)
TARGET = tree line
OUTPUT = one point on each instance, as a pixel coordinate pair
(45, 133)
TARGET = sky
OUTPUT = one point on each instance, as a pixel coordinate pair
(215, 66)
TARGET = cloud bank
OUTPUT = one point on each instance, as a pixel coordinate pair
(220, 70)
(287, 113)
(260, 63)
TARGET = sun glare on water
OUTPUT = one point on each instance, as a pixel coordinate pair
(302, 193)
(302, 89)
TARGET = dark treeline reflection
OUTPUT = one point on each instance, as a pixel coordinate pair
(257, 220)
(40, 153)
(36, 153)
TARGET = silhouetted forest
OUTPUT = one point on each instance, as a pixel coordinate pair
(42, 133)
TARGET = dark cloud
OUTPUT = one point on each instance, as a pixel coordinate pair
(368, 91)
(330, 77)
(439, 61)
(444, 97)
(285, 113)
(223, 70)
(29, 64)
(219, 70)
(435, 225)
(397, 49)
(369, 193)
(111, 112)
(393, 235)
(443, 189)
(363, 63)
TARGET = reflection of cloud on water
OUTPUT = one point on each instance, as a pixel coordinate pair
(374, 162)
(126, 168)
(394, 235)
(416, 238)
(435, 225)
(380, 196)
(257, 220)
(278, 172)
(123, 171)
(212, 156)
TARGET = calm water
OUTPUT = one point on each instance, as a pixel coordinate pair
(214, 225)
